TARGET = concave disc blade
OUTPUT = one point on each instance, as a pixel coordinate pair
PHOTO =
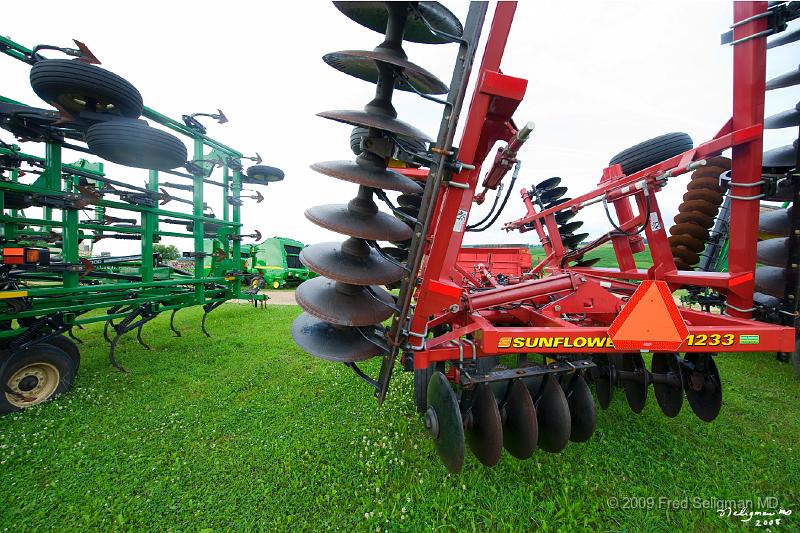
(570, 227)
(786, 38)
(604, 377)
(706, 195)
(484, 430)
(668, 396)
(410, 200)
(359, 307)
(443, 421)
(341, 344)
(376, 179)
(371, 120)
(780, 158)
(785, 119)
(635, 389)
(372, 227)
(777, 222)
(586, 263)
(704, 391)
(328, 259)
(551, 195)
(373, 15)
(563, 216)
(686, 240)
(362, 64)
(784, 80)
(552, 414)
(581, 411)
(548, 184)
(774, 252)
(557, 202)
(520, 429)
(771, 280)
(710, 183)
(573, 241)
(694, 217)
(412, 212)
(397, 254)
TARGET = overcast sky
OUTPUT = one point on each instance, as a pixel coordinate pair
(602, 76)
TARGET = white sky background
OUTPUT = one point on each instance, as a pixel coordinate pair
(602, 76)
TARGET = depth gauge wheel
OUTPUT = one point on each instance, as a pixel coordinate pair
(36, 375)
(135, 144)
(651, 152)
(78, 87)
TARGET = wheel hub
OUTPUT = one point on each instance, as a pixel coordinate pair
(33, 384)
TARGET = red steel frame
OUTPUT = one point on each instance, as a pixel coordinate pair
(493, 318)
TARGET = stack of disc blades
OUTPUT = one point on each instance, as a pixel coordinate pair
(548, 194)
(697, 212)
(345, 305)
(777, 226)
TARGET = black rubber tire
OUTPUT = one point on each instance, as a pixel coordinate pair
(653, 151)
(54, 80)
(43, 353)
(263, 174)
(135, 144)
(421, 379)
(69, 347)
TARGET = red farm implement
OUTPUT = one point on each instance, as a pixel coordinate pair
(563, 323)
(493, 265)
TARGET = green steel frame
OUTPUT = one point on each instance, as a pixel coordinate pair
(62, 299)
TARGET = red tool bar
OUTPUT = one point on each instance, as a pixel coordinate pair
(749, 73)
(756, 336)
(495, 98)
(510, 294)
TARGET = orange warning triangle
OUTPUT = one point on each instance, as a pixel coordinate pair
(649, 321)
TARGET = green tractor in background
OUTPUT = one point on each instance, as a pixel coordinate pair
(276, 263)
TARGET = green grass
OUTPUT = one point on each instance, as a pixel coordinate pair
(244, 431)
(606, 255)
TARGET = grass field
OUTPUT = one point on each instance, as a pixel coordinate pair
(243, 431)
(605, 253)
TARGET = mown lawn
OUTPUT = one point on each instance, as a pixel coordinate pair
(606, 255)
(243, 431)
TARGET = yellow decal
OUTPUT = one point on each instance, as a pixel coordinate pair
(554, 342)
(12, 294)
(714, 339)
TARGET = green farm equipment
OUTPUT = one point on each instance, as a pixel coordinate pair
(49, 281)
(277, 262)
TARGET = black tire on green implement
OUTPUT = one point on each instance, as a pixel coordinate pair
(69, 347)
(135, 144)
(262, 175)
(652, 152)
(77, 87)
(41, 373)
